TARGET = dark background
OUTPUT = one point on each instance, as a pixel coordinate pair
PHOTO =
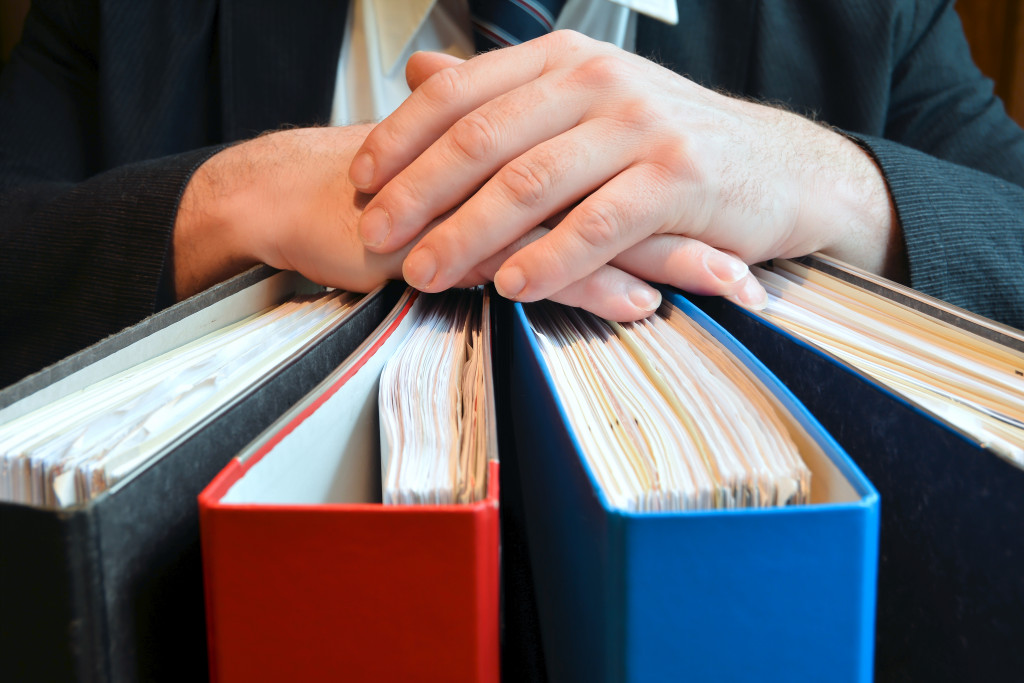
(995, 29)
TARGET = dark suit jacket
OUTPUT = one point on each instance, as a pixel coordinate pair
(108, 106)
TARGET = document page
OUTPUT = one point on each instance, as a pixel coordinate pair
(664, 417)
(436, 405)
(75, 448)
(973, 383)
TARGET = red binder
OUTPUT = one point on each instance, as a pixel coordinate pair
(347, 591)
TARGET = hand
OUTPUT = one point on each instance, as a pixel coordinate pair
(283, 199)
(631, 150)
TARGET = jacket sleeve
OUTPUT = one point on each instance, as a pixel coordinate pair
(954, 164)
(85, 251)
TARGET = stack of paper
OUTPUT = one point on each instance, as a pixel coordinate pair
(77, 447)
(666, 419)
(971, 382)
(434, 414)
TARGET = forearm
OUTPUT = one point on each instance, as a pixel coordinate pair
(209, 241)
(843, 204)
(851, 194)
(81, 261)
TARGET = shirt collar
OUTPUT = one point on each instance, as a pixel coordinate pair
(396, 27)
(663, 10)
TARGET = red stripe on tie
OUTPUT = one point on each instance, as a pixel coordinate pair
(491, 35)
(532, 8)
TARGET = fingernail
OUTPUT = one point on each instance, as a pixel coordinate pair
(420, 267)
(510, 281)
(374, 227)
(752, 294)
(728, 269)
(360, 171)
(645, 299)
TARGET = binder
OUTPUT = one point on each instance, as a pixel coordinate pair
(782, 594)
(309, 577)
(111, 590)
(951, 571)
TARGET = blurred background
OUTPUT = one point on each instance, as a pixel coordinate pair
(995, 30)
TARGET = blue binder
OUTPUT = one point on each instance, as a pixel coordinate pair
(782, 594)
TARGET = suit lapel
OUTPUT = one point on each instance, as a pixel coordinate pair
(712, 44)
(278, 62)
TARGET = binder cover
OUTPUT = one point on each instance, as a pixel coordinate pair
(951, 570)
(782, 594)
(310, 578)
(112, 590)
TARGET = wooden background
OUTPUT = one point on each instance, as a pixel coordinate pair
(995, 29)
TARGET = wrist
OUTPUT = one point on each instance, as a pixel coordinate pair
(208, 242)
(853, 207)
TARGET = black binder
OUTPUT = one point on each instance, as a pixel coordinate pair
(112, 590)
(951, 564)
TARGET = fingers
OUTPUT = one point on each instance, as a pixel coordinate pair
(693, 266)
(519, 197)
(475, 147)
(611, 293)
(632, 205)
(618, 291)
(608, 292)
(423, 65)
(441, 100)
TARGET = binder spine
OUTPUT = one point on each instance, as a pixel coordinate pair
(52, 622)
(486, 573)
(617, 582)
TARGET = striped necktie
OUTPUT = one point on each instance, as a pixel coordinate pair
(500, 23)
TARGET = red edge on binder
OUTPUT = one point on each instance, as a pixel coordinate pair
(350, 591)
(227, 477)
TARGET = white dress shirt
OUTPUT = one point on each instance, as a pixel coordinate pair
(380, 35)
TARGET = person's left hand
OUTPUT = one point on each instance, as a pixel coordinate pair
(660, 176)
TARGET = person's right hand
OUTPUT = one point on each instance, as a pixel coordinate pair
(283, 199)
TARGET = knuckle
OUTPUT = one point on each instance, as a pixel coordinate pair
(475, 136)
(683, 259)
(400, 201)
(598, 224)
(602, 71)
(526, 181)
(446, 86)
(639, 115)
(594, 287)
(564, 38)
(675, 162)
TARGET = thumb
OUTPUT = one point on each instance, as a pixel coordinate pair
(423, 65)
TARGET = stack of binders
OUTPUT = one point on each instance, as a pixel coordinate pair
(333, 548)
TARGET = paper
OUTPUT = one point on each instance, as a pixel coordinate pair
(973, 383)
(436, 405)
(665, 419)
(73, 449)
